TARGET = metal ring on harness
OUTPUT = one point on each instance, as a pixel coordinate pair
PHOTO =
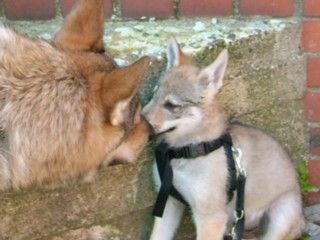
(238, 157)
(233, 233)
(237, 218)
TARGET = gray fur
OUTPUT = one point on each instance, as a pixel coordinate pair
(272, 187)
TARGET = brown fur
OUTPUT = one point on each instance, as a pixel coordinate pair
(66, 107)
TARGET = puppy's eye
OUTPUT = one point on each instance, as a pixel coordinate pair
(171, 106)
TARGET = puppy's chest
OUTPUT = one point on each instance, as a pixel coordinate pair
(202, 176)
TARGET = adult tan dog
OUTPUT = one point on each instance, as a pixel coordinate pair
(65, 106)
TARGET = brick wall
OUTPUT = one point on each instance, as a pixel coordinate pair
(311, 46)
(48, 9)
(307, 10)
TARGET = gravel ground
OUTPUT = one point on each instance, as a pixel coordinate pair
(312, 214)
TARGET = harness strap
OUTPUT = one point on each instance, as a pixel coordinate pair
(165, 188)
(231, 167)
(240, 214)
(164, 155)
(238, 229)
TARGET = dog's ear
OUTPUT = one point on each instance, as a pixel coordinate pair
(122, 85)
(175, 56)
(212, 76)
(83, 28)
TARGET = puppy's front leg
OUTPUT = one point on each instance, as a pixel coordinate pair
(165, 228)
(211, 226)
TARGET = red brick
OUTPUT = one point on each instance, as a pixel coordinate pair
(315, 141)
(313, 198)
(313, 72)
(311, 8)
(278, 8)
(68, 4)
(30, 9)
(311, 35)
(312, 106)
(148, 8)
(192, 8)
(314, 172)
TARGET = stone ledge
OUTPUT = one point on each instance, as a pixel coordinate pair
(35, 213)
(132, 39)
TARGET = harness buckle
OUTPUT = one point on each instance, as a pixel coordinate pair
(238, 157)
(237, 217)
(233, 233)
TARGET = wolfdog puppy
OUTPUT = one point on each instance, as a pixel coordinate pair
(186, 110)
(65, 106)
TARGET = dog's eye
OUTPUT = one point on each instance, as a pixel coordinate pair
(171, 106)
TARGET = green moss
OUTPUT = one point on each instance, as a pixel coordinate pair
(237, 50)
(207, 56)
(305, 184)
(307, 238)
(263, 86)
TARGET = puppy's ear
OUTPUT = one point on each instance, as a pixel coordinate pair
(175, 56)
(212, 76)
(122, 85)
(83, 28)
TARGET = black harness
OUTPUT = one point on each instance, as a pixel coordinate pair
(164, 155)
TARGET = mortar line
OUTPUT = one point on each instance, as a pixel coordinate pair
(314, 125)
(58, 7)
(117, 9)
(236, 8)
(299, 8)
(312, 54)
(314, 157)
(176, 9)
(310, 18)
(313, 89)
